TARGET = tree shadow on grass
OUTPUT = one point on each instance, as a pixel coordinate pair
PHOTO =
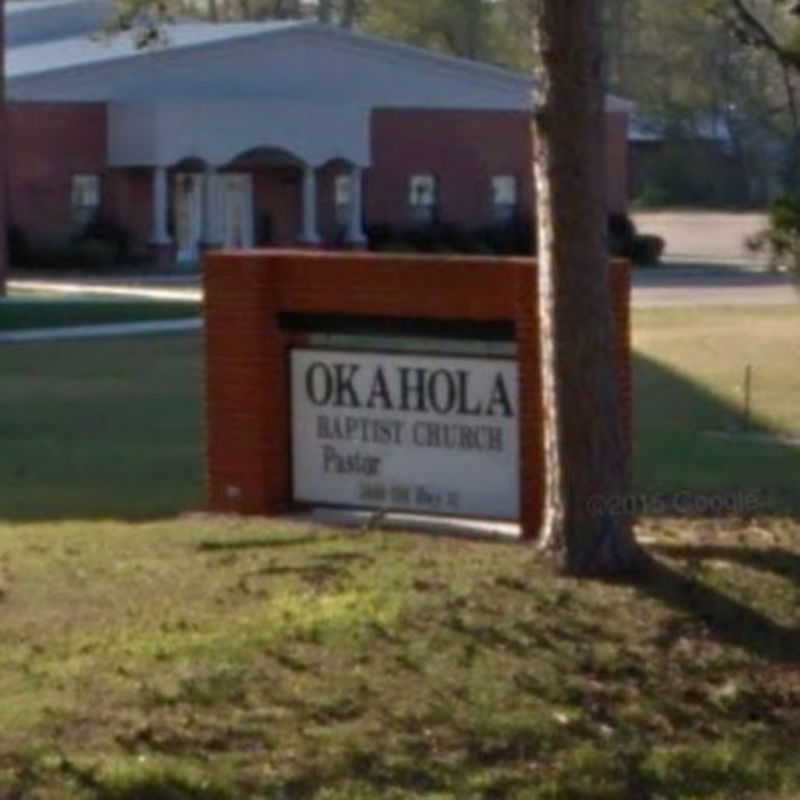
(728, 619)
(776, 560)
(255, 544)
(685, 471)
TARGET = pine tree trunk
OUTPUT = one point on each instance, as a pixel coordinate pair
(350, 11)
(585, 449)
(324, 10)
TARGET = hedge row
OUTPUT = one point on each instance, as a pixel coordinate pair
(513, 238)
(101, 244)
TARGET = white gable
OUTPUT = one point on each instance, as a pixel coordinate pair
(292, 61)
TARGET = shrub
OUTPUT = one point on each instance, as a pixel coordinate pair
(620, 226)
(624, 241)
(517, 237)
(53, 251)
(65, 253)
(381, 234)
(19, 249)
(94, 254)
(396, 246)
(646, 250)
(781, 239)
(101, 244)
(116, 238)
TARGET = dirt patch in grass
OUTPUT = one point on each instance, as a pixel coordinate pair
(212, 658)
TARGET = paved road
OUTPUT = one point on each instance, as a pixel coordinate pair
(687, 288)
(704, 236)
(662, 287)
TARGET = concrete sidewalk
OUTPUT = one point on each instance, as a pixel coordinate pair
(190, 293)
(102, 331)
(672, 284)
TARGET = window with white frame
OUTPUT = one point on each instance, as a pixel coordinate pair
(504, 198)
(343, 197)
(85, 198)
(423, 197)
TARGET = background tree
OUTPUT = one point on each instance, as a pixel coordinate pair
(3, 159)
(585, 447)
(465, 28)
(771, 29)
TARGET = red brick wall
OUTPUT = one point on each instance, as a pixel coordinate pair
(128, 198)
(464, 149)
(247, 381)
(48, 143)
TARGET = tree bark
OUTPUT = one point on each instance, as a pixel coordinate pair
(586, 453)
(324, 11)
(3, 160)
(350, 10)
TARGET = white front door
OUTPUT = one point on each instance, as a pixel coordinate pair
(237, 210)
(188, 199)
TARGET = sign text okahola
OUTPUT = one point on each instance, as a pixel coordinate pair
(407, 431)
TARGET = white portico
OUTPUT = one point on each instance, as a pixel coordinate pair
(202, 146)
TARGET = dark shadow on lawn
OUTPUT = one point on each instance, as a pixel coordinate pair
(683, 471)
(727, 619)
(777, 560)
(255, 544)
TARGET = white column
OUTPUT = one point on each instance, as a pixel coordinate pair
(211, 210)
(160, 235)
(355, 230)
(310, 234)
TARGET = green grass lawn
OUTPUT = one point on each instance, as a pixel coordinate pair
(105, 428)
(27, 311)
(689, 376)
(150, 653)
(112, 428)
(226, 659)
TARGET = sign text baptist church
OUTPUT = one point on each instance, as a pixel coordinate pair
(405, 431)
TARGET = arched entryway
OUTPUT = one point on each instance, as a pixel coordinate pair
(264, 196)
(268, 183)
(209, 207)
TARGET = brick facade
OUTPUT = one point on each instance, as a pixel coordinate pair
(50, 142)
(247, 379)
(47, 144)
(464, 150)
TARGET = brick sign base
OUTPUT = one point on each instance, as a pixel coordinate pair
(250, 298)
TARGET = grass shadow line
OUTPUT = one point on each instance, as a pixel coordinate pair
(727, 619)
(255, 544)
(776, 560)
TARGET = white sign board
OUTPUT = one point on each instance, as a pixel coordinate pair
(406, 432)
